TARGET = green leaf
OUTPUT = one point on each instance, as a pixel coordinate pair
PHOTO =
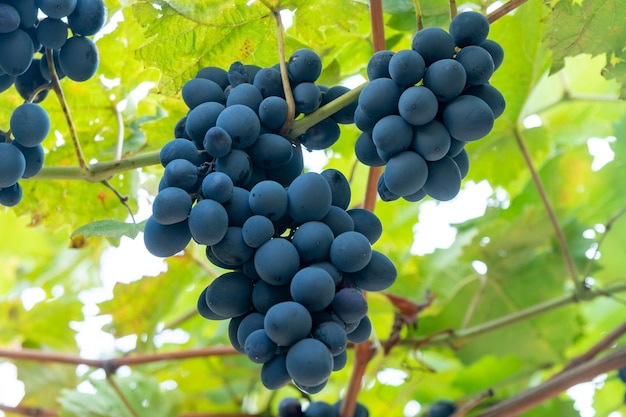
(143, 393)
(111, 229)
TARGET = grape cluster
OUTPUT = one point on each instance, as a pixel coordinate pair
(424, 104)
(291, 407)
(27, 29)
(299, 259)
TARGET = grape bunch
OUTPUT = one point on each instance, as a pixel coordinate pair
(291, 407)
(298, 258)
(27, 29)
(424, 104)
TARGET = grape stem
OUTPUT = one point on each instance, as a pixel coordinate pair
(56, 87)
(291, 104)
(418, 14)
(567, 256)
(453, 9)
(121, 395)
(504, 10)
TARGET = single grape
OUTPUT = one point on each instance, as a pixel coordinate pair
(16, 52)
(273, 112)
(468, 118)
(366, 223)
(179, 149)
(310, 197)
(32, 80)
(265, 295)
(495, 50)
(490, 95)
(166, 240)
(34, 157)
(245, 94)
(181, 173)
(392, 135)
(88, 17)
(304, 66)
(231, 249)
(171, 205)
(268, 198)
(241, 123)
(379, 98)
(433, 44)
(30, 124)
(277, 261)
(462, 161)
(217, 186)
(446, 78)
(444, 179)
(350, 252)
(478, 64)
(338, 220)
(378, 65)
(11, 195)
(208, 221)
(442, 409)
(362, 332)
(319, 409)
(365, 151)
(9, 18)
(200, 119)
(27, 10)
(288, 322)
(237, 207)
(251, 322)
(469, 28)
(431, 141)
(274, 374)
(350, 305)
(307, 97)
(332, 335)
(405, 173)
(237, 165)
(12, 165)
(269, 83)
(217, 142)
(407, 67)
(309, 362)
(79, 58)
(312, 287)
(379, 274)
(230, 294)
(346, 114)
(204, 310)
(418, 105)
(259, 347)
(200, 90)
(289, 407)
(271, 151)
(322, 135)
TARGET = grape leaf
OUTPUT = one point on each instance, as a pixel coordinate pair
(111, 229)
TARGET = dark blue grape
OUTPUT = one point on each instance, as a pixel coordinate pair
(241, 123)
(9, 18)
(332, 335)
(416, 196)
(171, 205)
(418, 105)
(364, 122)
(349, 305)
(405, 173)
(339, 187)
(444, 179)
(307, 96)
(11, 195)
(359, 411)
(44, 69)
(286, 174)
(277, 261)
(392, 135)
(274, 373)
(379, 274)
(237, 165)
(362, 332)
(57, 9)
(313, 287)
(468, 118)
(490, 95)
(6, 81)
(462, 161)
(52, 33)
(215, 74)
(338, 220)
(269, 82)
(310, 197)
(365, 151)
(30, 124)
(442, 409)
(433, 44)
(166, 240)
(432, 141)
(309, 362)
(179, 149)
(350, 252)
(200, 119)
(378, 65)
(273, 112)
(495, 50)
(233, 326)
(379, 98)
(181, 173)
(478, 64)
(16, 52)
(340, 361)
(217, 142)
(346, 114)
(259, 347)
(268, 198)
(257, 230)
(319, 409)
(230, 295)
(200, 90)
(384, 192)
(288, 322)
(237, 207)
(271, 151)
(469, 28)
(237, 74)
(79, 58)
(208, 222)
(265, 295)
(12, 165)
(289, 407)
(34, 157)
(217, 186)
(245, 94)
(304, 66)
(456, 146)
(27, 83)
(204, 310)
(27, 10)
(366, 223)
(407, 67)
(322, 135)
(250, 323)
(232, 250)
(446, 78)
(88, 17)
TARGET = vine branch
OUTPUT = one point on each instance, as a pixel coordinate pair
(559, 383)
(504, 10)
(284, 75)
(41, 412)
(121, 396)
(567, 256)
